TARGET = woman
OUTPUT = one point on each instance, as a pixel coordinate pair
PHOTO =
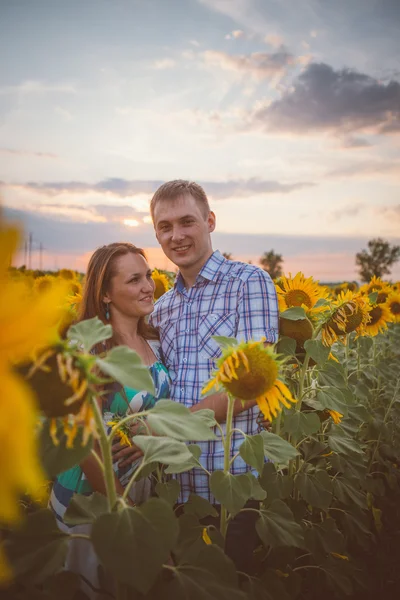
(119, 290)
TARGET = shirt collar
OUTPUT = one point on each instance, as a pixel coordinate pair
(210, 270)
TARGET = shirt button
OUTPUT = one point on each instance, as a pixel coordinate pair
(182, 389)
(185, 360)
(187, 330)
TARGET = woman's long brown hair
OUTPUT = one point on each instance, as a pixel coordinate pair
(101, 270)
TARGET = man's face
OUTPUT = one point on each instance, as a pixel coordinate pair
(183, 231)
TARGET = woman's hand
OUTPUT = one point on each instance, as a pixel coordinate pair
(125, 455)
(264, 423)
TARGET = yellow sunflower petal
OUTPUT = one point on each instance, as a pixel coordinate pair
(20, 469)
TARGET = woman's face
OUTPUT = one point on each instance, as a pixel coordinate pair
(132, 288)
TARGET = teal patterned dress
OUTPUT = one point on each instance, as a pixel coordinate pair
(74, 481)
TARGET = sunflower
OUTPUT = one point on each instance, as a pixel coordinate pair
(300, 330)
(25, 324)
(122, 432)
(249, 371)
(393, 304)
(336, 416)
(375, 285)
(161, 282)
(74, 287)
(383, 294)
(43, 284)
(61, 388)
(74, 300)
(298, 291)
(69, 316)
(66, 274)
(350, 312)
(380, 316)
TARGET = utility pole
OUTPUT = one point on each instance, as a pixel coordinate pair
(25, 253)
(41, 256)
(30, 251)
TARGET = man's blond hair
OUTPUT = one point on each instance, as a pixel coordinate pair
(171, 190)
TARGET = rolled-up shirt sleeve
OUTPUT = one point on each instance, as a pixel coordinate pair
(258, 314)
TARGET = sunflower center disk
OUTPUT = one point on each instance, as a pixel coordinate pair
(375, 315)
(353, 319)
(297, 298)
(395, 308)
(382, 296)
(252, 383)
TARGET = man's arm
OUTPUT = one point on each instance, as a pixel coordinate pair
(258, 318)
(218, 402)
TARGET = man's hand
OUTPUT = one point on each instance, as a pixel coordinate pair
(125, 455)
(218, 402)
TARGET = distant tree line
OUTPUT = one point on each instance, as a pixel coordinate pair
(376, 260)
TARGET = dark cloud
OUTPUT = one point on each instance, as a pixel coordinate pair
(355, 142)
(343, 101)
(352, 210)
(123, 188)
(371, 168)
(391, 213)
(114, 186)
(108, 211)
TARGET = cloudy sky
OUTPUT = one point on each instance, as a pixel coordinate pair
(288, 113)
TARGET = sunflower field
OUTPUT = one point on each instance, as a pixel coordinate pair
(326, 478)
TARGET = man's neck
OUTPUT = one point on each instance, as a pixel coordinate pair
(190, 275)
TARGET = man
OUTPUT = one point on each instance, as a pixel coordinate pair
(211, 296)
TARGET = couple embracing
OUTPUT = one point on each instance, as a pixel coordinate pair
(211, 296)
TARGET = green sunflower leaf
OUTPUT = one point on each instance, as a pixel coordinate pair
(299, 423)
(232, 491)
(134, 543)
(171, 419)
(186, 464)
(277, 486)
(277, 527)
(278, 450)
(168, 490)
(332, 398)
(252, 451)
(125, 366)
(295, 313)
(90, 332)
(225, 342)
(315, 488)
(318, 352)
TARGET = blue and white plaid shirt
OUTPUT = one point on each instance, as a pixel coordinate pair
(231, 299)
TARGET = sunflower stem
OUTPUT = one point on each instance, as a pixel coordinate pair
(227, 458)
(384, 423)
(302, 376)
(132, 480)
(105, 446)
(278, 423)
(347, 356)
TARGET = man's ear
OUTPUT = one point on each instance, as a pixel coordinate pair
(212, 220)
